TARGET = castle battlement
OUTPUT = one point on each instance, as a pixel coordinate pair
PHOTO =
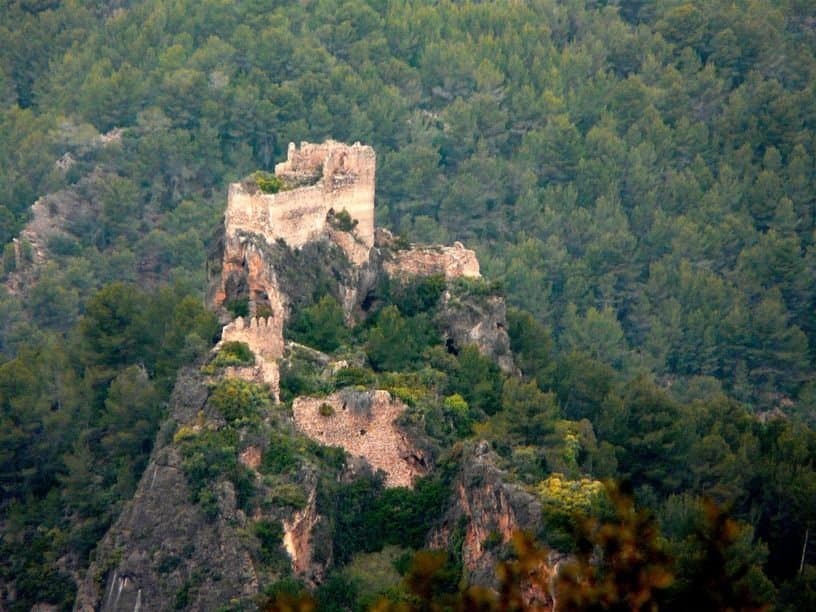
(263, 335)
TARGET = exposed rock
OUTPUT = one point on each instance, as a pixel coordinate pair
(362, 422)
(298, 540)
(483, 514)
(162, 544)
(162, 547)
(479, 320)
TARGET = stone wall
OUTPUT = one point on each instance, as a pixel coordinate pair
(450, 261)
(264, 336)
(363, 424)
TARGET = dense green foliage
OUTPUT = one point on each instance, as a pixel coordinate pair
(639, 176)
(321, 326)
(78, 418)
(367, 517)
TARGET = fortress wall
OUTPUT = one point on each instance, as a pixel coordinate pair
(370, 434)
(263, 335)
(358, 200)
(299, 215)
(452, 262)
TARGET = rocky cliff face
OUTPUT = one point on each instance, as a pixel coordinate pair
(163, 550)
(479, 319)
(484, 512)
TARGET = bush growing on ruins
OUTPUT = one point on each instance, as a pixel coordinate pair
(237, 399)
(263, 311)
(232, 354)
(353, 377)
(341, 220)
(268, 183)
(325, 410)
(301, 377)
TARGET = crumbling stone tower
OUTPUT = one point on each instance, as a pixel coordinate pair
(326, 177)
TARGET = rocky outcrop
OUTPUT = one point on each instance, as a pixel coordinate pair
(477, 319)
(275, 253)
(484, 512)
(163, 550)
(362, 423)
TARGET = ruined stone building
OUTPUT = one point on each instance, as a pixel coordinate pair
(321, 183)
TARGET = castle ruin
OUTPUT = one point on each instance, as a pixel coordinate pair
(320, 179)
(321, 184)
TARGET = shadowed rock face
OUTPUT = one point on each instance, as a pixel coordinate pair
(484, 512)
(479, 320)
(163, 547)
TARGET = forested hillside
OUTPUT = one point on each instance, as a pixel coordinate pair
(639, 177)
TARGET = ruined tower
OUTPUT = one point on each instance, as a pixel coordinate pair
(319, 179)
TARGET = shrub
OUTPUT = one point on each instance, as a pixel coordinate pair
(325, 410)
(321, 326)
(415, 295)
(233, 354)
(206, 458)
(287, 494)
(342, 221)
(353, 377)
(367, 516)
(476, 287)
(268, 183)
(270, 538)
(61, 245)
(185, 432)
(238, 307)
(301, 377)
(397, 343)
(478, 380)
(281, 455)
(9, 258)
(237, 399)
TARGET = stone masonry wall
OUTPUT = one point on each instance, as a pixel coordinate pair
(363, 424)
(264, 336)
(451, 261)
